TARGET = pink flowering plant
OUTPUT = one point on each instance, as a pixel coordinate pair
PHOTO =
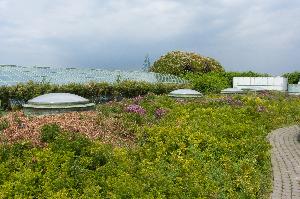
(136, 113)
(138, 99)
(134, 108)
(160, 112)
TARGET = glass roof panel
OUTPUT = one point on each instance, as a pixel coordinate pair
(10, 75)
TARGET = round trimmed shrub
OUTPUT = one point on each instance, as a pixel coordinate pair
(177, 63)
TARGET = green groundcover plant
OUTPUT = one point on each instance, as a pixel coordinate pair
(214, 147)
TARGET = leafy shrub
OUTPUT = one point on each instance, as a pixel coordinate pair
(49, 132)
(208, 82)
(71, 141)
(19, 149)
(3, 124)
(67, 169)
(214, 82)
(293, 78)
(178, 63)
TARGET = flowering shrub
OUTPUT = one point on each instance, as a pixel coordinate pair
(134, 108)
(178, 63)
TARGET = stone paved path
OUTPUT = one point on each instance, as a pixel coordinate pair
(285, 162)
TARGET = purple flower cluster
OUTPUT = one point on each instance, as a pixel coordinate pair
(160, 112)
(137, 99)
(134, 108)
(231, 101)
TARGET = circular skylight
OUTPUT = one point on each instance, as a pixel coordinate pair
(54, 103)
(183, 93)
(232, 91)
(58, 98)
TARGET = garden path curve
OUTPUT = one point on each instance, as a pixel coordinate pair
(285, 157)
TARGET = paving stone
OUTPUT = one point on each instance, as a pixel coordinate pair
(285, 158)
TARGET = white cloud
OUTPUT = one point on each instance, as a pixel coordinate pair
(58, 31)
(75, 18)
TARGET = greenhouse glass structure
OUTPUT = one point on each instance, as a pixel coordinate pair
(11, 75)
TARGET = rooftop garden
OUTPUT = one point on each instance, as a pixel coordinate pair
(151, 146)
(140, 143)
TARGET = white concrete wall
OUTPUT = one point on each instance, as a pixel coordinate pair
(263, 83)
(294, 88)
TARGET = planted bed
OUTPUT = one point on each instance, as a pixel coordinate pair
(158, 147)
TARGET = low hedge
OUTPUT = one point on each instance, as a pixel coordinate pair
(96, 92)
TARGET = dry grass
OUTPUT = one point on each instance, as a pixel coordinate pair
(24, 128)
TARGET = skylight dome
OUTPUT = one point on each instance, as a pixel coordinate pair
(58, 98)
(54, 103)
(185, 93)
(232, 91)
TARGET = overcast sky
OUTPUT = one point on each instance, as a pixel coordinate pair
(259, 35)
